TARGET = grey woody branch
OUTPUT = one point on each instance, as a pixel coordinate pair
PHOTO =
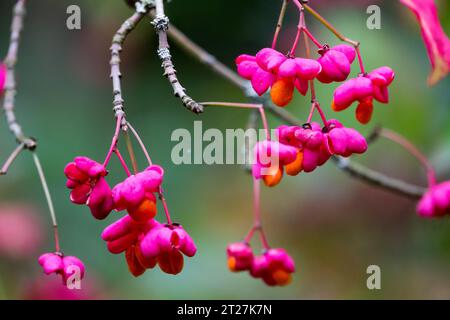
(10, 87)
(377, 179)
(161, 24)
(116, 48)
(10, 61)
(353, 169)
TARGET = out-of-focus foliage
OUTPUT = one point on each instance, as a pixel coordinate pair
(334, 226)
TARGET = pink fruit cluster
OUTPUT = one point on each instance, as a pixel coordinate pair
(364, 89)
(149, 243)
(270, 69)
(86, 179)
(271, 159)
(436, 201)
(274, 266)
(66, 266)
(136, 194)
(304, 149)
(144, 241)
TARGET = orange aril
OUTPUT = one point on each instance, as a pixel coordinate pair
(273, 177)
(294, 168)
(282, 92)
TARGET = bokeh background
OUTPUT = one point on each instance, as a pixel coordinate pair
(332, 225)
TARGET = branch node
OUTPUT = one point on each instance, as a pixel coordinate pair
(192, 105)
(30, 143)
(161, 23)
(164, 54)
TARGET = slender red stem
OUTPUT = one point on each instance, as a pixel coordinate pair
(279, 23)
(257, 212)
(360, 60)
(257, 224)
(296, 41)
(315, 104)
(122, 161)
(264, 121)
(263, 237)
(321, 113)
(311, 82)
(412, 149)
(166, 209)
(298, 4)
(115, 139)
(257, 201)
(301, 27)
(313, 39)
(311, 112)
(250, 235)
(56, 238)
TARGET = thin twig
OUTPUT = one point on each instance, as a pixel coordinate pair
(141, 143)
(11, 158)
(164, 203)
(339, 35)
(330, 27)
(115, 139)
(49, 199)
(161, 24)
(413, 150)
(122, 161)
(279, 23)
(259, 107)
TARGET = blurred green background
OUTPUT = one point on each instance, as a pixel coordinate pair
(333, 226)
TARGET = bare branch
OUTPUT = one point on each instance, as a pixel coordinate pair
(161, 24)
(377, 179)
(10, 87)
(11, 158)
(116, 47)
